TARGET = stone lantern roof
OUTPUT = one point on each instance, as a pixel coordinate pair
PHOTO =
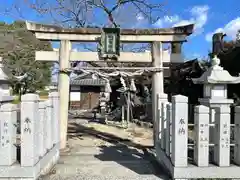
(216, 75)
(3, 76)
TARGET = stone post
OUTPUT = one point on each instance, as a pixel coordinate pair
(128, 107)
(201, 148)
(42, 128)
(29, 129)
(237, 135)
(54, 97)
(162, 98)
(164, 124)
(179, 131)
(123, 114)
(63, 87)
(158, 122)
(8, 130)
(169, 130)
(222, 136)
(49, 124)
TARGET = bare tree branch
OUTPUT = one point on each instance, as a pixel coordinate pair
(85, 13)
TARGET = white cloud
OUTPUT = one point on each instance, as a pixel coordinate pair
(198, 16)
(167, 21)
(140, 21)
(140, 17)
(201, 17)
(230, 29)
(196, 55)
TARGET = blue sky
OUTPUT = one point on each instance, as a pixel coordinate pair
(208, 16)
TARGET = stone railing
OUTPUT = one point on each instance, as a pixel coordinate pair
(5, 99)
(188, 151)
(35, 150)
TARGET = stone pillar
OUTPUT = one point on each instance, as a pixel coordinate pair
(222, 136)
(176, 47)
(164, 125)
(169, 130)
(29, 129)
(162, 99)
(158, 122)
(214, 105)
(42, 128)
(201, 148)
(54, 97)
(128, 107)
(8, 120)
(237, 135)
(63, 87)
(157, 85)
(49, 123)
(179, 131)
(123, 113)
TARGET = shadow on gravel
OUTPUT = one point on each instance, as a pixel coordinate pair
(124, 151)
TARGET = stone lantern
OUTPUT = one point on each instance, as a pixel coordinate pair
(215, 81)
(5, 94)
(4, 82)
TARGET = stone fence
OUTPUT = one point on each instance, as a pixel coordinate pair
(35, 150)
(205, 151)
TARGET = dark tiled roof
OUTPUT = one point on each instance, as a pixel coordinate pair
(88, 82)
(85, 82)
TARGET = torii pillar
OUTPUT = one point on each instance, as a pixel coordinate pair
(158, 95)
(63, 88)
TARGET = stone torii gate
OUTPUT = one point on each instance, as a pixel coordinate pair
(176, 36)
